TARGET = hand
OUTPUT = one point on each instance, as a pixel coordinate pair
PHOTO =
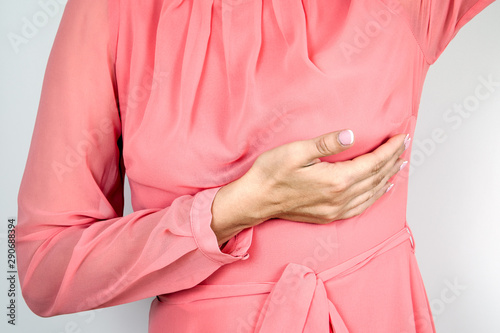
(291, 182)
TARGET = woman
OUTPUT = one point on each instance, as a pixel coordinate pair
(259, 138)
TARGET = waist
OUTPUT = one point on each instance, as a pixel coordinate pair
(275, 243)
(292, 271)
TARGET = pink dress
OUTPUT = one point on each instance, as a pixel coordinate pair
(183, 95)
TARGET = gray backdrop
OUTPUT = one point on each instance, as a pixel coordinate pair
(454, 192)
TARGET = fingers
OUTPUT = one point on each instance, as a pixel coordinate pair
(328, 144)
(363, 206)
(375, 163)
(311, 194)
(368, 184)
(372, 175)
(369, 189)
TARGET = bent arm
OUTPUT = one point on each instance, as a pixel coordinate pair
(75, 249)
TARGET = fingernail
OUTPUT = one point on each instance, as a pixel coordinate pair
(407, 141)
(403, 165)
(389, 188)
(346, 137)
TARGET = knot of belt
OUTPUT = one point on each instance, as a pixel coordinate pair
(298, 301)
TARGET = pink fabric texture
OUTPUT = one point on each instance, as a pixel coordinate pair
(183, 95)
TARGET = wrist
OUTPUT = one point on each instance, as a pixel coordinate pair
(236, 206)
(251, 199)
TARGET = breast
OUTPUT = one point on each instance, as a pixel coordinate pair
(211, 112)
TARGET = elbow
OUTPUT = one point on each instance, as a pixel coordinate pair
(38, 306)
(42, 265)
(37, 291)
(37, 282)
(38, 296)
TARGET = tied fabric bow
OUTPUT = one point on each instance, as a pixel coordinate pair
(298, 302)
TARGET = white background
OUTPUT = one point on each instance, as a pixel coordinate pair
(454, 192)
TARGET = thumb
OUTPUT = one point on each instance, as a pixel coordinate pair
(329, 144)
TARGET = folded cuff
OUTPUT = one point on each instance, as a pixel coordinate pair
(205, 238)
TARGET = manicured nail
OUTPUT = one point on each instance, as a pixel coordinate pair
(346, 137)
(403, 165)
(389, 188)
(407, 141)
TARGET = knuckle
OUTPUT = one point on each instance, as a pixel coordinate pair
(377, 180)
(371, 194)
(329, 214)
(322, 146)
(377, 166)
(339, 185)
(397, 167)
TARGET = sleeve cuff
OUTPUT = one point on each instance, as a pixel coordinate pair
(201, 218)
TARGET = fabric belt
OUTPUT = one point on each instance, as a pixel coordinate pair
(297, 302)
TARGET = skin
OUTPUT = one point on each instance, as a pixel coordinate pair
(290, 182)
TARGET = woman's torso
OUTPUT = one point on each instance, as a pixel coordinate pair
(203, 92)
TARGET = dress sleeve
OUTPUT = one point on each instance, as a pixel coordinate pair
(76, 251)
(436, 22)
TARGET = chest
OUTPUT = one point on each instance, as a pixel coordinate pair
(223, 84)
